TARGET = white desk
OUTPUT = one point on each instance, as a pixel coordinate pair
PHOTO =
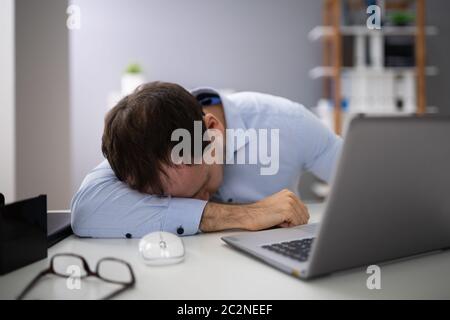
(212, 270)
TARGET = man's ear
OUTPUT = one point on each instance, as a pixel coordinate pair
(212, 122)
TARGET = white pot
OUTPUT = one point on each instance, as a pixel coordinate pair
(130, 82)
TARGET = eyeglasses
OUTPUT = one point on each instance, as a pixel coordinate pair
(67, 265)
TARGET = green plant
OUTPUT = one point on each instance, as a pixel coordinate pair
(133, 68)
(402, 18)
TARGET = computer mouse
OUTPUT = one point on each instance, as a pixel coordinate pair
(161, 248)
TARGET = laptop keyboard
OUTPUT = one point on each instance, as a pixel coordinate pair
(298, 250)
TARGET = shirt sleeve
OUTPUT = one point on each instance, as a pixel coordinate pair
(322, 147)
(105, 207)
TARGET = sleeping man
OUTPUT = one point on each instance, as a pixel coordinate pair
(189, 162)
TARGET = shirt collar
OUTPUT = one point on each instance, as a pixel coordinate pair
(232, 117)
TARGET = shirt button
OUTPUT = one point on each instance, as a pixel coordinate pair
(180, 230)
(129, 236)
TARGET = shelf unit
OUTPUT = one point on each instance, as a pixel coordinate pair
(332, 33)
(329, 72)
(320, 32)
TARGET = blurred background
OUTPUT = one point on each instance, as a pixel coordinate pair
(65, 63)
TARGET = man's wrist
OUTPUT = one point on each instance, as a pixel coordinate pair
(219, 217)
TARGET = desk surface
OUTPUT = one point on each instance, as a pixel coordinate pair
(212, 270)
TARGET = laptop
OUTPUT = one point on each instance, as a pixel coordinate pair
(58, 226)
(58, 222)
(390, 199)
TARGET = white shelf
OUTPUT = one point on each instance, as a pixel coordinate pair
(322, 72)
(320, 32)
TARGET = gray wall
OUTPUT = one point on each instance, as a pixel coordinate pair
(42, 101)
(241, 44)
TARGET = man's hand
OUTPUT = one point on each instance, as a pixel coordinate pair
(282, 209)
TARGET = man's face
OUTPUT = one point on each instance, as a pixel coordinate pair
(199, 181)
(195, 181)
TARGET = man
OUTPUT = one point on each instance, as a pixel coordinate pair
(141, 189)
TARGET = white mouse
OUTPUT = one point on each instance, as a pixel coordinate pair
(161, 248)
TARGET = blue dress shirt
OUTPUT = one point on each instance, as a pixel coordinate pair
(105, 207)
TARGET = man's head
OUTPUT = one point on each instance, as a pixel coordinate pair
(137, 142)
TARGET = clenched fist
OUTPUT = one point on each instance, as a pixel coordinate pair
(283, 209)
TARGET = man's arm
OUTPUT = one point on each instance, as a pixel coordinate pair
(321, 147)
(105, 207)
(282, 209)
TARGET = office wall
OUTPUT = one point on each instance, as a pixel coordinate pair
(42, 101)
(7, 125)
(245, 45)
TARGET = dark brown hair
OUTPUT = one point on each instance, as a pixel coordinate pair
(137, 135)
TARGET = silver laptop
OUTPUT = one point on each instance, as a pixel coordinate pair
(390, 198)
